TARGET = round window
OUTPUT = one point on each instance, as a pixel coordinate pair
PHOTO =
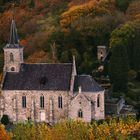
(12, 69)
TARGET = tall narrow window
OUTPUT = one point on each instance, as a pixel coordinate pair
(60, 102)
(14, 103)
(11, 57)
(42, 102)
(98, 101)
(80, 113)
(23, 101)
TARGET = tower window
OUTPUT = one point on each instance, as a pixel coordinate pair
(23, 101)
(12, 69)
(80, 114)
(60, 104)
(42, 102)
(98, 101)
(11, 57)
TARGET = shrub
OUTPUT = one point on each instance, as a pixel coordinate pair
(110, 129)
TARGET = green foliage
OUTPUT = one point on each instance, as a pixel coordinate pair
(30, 131)
(119, 67)
(109, 129)
(125, 53)
(123, 4)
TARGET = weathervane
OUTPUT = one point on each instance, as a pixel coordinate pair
(13, 9)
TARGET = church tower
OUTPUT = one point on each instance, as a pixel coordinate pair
(13, 52)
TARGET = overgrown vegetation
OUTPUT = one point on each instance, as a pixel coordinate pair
(111, 129)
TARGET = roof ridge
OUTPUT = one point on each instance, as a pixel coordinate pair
(47, 63)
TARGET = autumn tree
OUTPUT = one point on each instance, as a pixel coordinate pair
(3, 134)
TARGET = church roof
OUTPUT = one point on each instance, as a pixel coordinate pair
(87, 83)
(39, 77)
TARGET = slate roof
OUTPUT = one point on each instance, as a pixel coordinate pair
(87, 83)
(14, 40)
(39, 77)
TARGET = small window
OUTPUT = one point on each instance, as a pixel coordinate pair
(60, 104)
(42, 102)
(80, 114)
(98, 101)
(11, 57)
(12, 69)
(23, 101)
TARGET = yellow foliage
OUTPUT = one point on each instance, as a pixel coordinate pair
(78, 130)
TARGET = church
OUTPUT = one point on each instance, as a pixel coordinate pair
(46, 92)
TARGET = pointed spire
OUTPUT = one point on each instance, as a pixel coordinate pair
(13, 40)
(13, 34)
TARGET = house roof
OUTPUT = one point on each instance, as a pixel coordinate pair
(87, 83)
(39, 77)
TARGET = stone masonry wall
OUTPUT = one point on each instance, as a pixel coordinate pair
(17, 56)
(13, 105)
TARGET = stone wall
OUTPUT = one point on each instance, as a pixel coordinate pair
(80, 102)
(87, 102)
(17, 59)
(98, 112)
(13, 105)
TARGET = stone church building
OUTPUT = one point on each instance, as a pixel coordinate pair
(46, 92)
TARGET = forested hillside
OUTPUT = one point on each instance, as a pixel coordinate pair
(54, 30)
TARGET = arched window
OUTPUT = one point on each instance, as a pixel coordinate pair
(98, 101)
(23, 101)
(41, 101)
(11, 57)
(80, 114)
(60, 102)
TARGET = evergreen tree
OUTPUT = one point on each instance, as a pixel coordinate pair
(119, 67)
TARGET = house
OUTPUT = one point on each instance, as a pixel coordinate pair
(46, 92)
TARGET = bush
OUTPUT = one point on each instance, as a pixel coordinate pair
(112, 128)
(5, 120)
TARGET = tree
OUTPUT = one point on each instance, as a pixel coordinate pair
(119, 67)
(3, 134)
(122, 4)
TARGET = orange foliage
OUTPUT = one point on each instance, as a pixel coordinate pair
(91, 8)
(38, 57)
(23, 42)
(133, 10)
(3, 134)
